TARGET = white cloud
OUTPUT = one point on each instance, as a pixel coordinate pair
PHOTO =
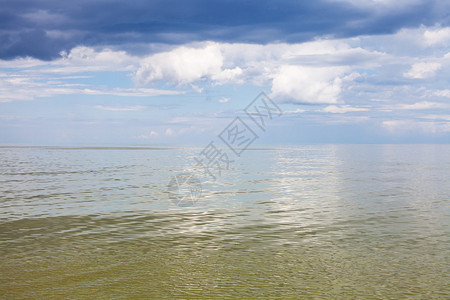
(149, 135)
(224, 100)
(186, 65)
(343, 109)
(30, 86)
(437, 36)
(153, 134)
(21, 63)
(228, 75)
(316, 72)
(196, 88)
(423, 70)
(421, 105)
(35, 78)
(308, 84)
(442, 93)
(407, 44)
(80, 59)
(169, 132)
(437, 117)
(222, 63)
(164, 133)
(85, 58)
(294, 112)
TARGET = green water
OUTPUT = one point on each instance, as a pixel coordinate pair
(313, 222)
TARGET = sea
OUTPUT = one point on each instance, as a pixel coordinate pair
(291, 222)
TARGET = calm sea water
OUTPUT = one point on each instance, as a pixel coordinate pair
(326, 221)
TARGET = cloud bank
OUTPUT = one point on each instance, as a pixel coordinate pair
(44, 28)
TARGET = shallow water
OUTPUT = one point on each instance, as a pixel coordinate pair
(322, 221)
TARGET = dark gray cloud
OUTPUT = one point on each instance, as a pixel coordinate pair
(44, 28)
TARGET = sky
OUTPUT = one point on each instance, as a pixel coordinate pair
(179, 72)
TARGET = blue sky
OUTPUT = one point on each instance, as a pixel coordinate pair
(178, 72)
